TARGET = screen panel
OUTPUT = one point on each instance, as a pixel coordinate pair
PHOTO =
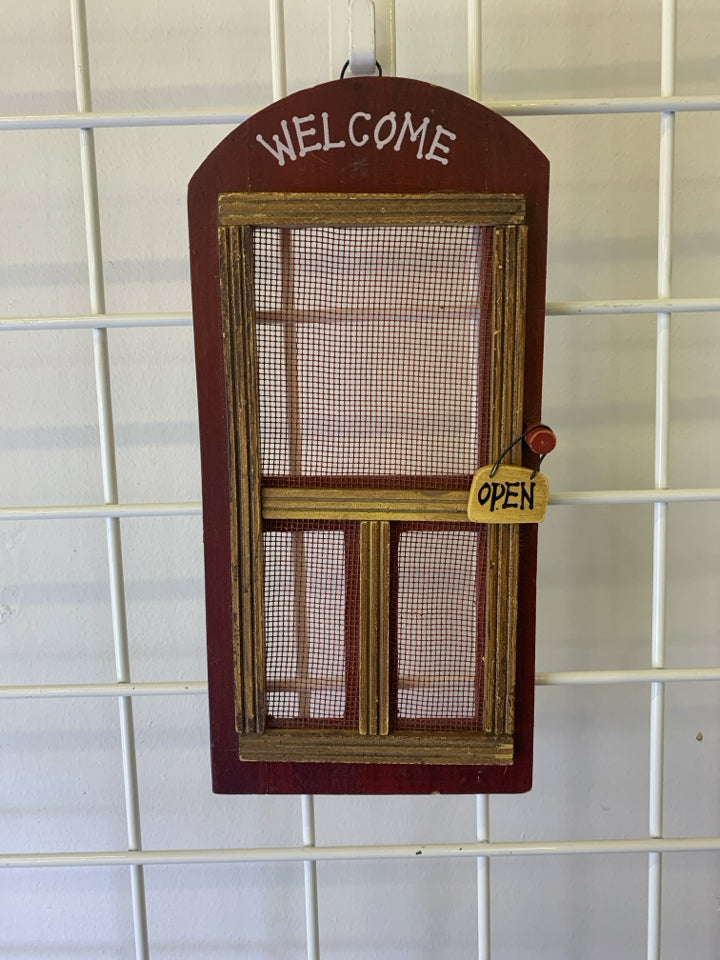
(311, 584)
(439, 627)
(374, 353)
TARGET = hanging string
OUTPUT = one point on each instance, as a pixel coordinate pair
(517, 440)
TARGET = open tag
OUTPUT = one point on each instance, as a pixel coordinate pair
(509, 495)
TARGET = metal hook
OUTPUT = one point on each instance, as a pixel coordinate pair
(537, 468)
(361, 37)
(347, 64)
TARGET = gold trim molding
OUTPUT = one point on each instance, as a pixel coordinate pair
(253, 504)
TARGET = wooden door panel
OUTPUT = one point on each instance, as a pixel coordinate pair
(360, 353)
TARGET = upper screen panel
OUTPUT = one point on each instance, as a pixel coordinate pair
(390, 331)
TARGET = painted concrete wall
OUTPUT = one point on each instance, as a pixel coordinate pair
(60, 769)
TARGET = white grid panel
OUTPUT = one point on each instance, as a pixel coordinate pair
(644, 567)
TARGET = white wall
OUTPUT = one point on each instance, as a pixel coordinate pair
(60, 769)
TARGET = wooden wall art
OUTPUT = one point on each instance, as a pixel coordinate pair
(368, 268)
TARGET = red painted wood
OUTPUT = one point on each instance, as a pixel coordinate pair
(540, 439)
(488, 155)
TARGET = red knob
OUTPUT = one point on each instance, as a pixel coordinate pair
(540, 439)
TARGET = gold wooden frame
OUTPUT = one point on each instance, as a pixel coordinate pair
(373, 741)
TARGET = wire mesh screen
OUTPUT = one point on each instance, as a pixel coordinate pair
(311, 591)
(439, 634)
(374, 370)
(373, 351)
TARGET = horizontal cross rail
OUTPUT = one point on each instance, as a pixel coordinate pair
(194, 507)
(194, 687)
(557, 308)
(400, 851)
(508, 108)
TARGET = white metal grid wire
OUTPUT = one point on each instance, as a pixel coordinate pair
(135, 858)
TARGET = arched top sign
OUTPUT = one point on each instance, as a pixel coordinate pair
(375, 134)
(368, 268)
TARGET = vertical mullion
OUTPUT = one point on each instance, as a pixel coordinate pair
(374, 627)
(230, 311)
(482, 801)
(109, 470)
(253, 581)
(516, 392)
(278, 61)
(294, 437)
(474, 29)
(237, 321)
(248, 579)
(506, 418)
(385, 35)
(365, 725)
(497, 444)
(510, 369)
(383, 581)
(307, 803)
(662, 390)
(373, 607)
(475, 90)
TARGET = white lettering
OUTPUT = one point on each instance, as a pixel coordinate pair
(327, 145)
(305, 138)
(436, 145)
(303, 134)
(388, 118)
(351, 129)
(414, 134)
(282, 148)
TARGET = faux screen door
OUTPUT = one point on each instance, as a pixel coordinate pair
(373, 350)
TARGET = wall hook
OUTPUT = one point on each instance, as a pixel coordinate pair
(361, 38)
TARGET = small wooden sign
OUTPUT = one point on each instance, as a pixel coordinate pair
(508, 494)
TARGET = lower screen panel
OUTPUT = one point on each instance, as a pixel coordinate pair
(311, 657)
(438, 630)
(436, 626)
